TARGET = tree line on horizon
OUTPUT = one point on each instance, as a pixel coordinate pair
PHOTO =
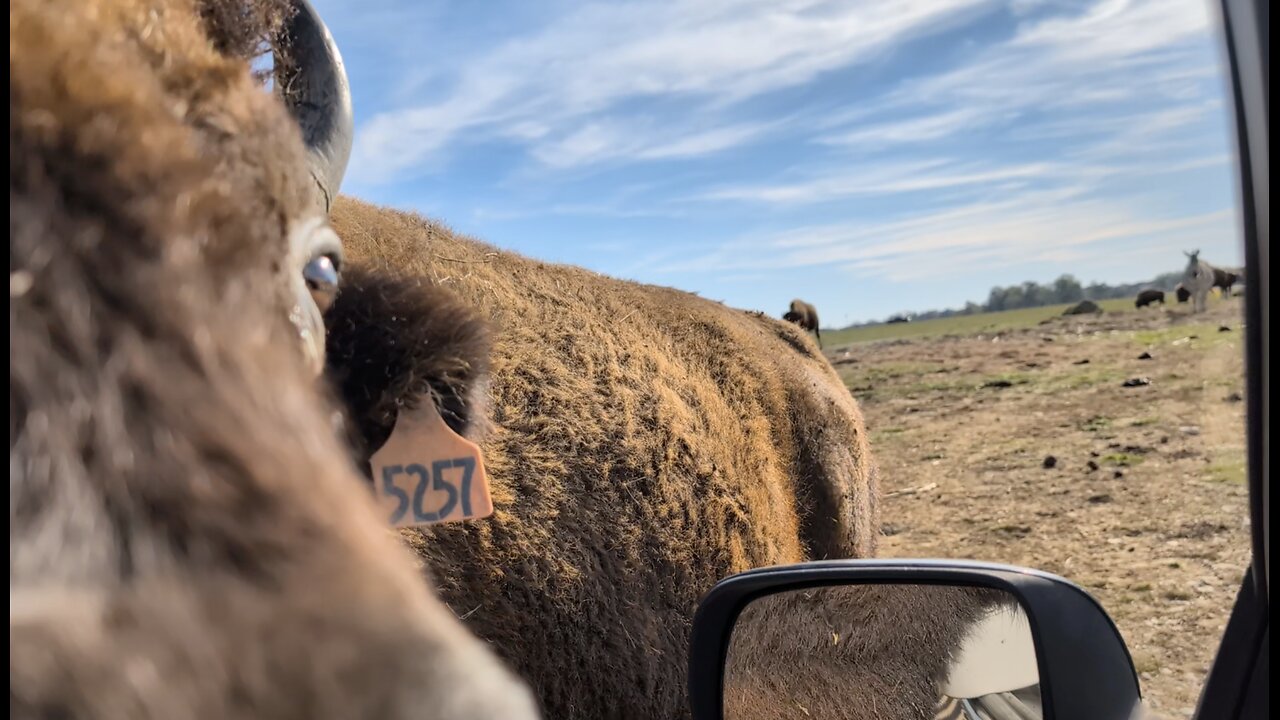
(1066, 289)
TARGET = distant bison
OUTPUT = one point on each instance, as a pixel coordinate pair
(1148, 297)
(1084, 307)
(898, 319)
(1224, 279)
(1182, 293)
(804, 315)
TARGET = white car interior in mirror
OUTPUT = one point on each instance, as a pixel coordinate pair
(995, 673)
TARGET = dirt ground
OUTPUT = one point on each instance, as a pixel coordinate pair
(1145, 504)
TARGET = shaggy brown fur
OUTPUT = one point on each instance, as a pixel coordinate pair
(187, 535)
(640, 452)
(395, 341)
(871, 652)
(805, 315)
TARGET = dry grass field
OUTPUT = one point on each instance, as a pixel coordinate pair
(1145, 504)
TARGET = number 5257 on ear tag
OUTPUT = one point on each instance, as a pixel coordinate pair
(426, 473)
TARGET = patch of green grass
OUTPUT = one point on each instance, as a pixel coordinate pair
(1229, 470)
(1096, 423)
(1206, 336)
(884, 373)
(964, 385)
(1087, 376)
(1123, 459)
(961, 324)
(1003, 380)
(1146, 662)
(887, 433)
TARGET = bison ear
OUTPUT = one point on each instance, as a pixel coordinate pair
(394, 343)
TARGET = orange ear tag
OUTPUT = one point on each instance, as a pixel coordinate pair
(426, 473)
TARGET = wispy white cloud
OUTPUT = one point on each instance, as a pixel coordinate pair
(882, 179)
(1052, 143)
(1032, 226)
(1079, 71)
(711, 52)
(606, 140)
(910, 129)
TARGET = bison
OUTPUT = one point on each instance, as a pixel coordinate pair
(806, 316)
(1182, 293)
(1147, 297)
(187, 534)
(640, 448)
(1224, 279)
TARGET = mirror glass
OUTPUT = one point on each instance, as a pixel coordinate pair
(888, 652)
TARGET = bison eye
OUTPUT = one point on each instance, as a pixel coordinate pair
(315, 254)
(321, 274)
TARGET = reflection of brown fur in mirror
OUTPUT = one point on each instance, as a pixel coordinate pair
(857, 652)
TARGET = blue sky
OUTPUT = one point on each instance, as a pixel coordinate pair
(870, 157)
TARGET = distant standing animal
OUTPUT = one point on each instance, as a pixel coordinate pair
(1148, 297)
(1224, 279)
(804, 315)
(1182, 293)
(1199, 278)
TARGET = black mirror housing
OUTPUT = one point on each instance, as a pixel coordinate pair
(1085, 669)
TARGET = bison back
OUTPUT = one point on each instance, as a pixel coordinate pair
(645, 443)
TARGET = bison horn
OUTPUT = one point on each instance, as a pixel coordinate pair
(313, 82)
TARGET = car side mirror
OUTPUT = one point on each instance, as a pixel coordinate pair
(899, 639)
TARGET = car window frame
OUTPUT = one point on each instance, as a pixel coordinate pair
(1237, 685)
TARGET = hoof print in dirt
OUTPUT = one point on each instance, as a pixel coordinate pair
(1084, 361)
(1224, 328)
(1145, 356)
(999, 383)
(1235, 397)
(1117, 474)
(1099, 499)
(1091, 465)
(1137, 382)
(1050, 462)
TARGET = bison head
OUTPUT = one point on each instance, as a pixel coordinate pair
(188, 536)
